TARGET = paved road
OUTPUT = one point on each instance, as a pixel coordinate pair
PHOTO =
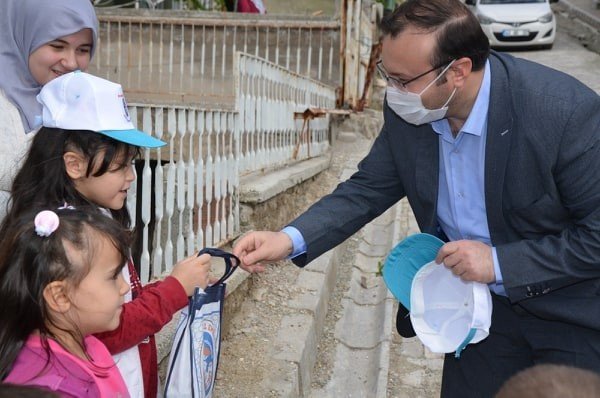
(587, 6)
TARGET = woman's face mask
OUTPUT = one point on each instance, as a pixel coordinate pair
(409, 106)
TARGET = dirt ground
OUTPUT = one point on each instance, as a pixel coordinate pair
(245, 370)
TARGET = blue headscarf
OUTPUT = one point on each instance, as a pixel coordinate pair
(26, 25)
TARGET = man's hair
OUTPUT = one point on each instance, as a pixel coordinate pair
(457, 30)
(552, 381)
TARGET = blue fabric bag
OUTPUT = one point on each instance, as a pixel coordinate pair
(195, 352)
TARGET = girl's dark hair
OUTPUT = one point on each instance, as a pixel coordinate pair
(457, 30)
(42, 181)
(28, 263)
(19, 391)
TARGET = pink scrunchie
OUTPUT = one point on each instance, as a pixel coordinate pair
(46, 222)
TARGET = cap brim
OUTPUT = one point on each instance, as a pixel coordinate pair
(134, 137)
(405, 259)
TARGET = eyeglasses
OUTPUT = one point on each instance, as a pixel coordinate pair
(399, 83)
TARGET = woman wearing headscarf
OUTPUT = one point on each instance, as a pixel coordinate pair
(39, 40)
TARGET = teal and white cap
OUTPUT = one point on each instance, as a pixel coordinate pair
(446, 312)
(80, 101)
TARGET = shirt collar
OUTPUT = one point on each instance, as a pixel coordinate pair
(476, 121)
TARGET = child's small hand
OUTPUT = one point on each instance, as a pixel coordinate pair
(192, 272)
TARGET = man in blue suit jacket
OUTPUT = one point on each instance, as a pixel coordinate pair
(498, 156)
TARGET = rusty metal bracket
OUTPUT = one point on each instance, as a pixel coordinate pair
(308, 115)
(375, 54)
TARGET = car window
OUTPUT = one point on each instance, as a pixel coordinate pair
(510, 1)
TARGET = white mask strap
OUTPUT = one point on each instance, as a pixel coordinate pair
(438, 77)
(449, 99)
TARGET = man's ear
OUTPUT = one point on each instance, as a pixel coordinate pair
(75, 165)
(461, 69)
(56, 296)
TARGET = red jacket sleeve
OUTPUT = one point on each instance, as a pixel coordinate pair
(146, 314)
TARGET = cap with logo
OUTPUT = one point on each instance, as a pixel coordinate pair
(446, 312)
(80, 101)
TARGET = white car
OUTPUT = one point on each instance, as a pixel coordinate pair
(515, 23)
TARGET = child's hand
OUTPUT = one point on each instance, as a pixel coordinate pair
(192, 272)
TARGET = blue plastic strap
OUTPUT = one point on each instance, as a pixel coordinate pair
(465, 342)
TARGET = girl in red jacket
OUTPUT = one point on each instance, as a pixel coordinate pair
(83, 155)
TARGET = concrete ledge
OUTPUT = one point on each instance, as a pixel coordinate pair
(260, 187)
(579, 24)
(367, 309)
(360, 327)
(298, 338)
(300, 350)
(576, 12)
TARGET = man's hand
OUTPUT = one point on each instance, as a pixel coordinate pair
(469, 259)
(258, 246)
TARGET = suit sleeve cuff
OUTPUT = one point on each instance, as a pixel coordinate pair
(298, 242)
(497, 270)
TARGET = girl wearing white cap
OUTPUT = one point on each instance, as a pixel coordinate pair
(39, 40)
(83, 155)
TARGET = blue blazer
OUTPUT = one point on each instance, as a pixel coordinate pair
(542, 189)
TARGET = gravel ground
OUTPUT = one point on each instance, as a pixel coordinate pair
(245, 365)
(327, 345)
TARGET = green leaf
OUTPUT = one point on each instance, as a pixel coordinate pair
(379, 268)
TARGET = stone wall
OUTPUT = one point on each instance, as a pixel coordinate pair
(578, 24)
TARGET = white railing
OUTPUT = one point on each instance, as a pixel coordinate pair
(268, 96)
(187, 57)
(224, 113)
(188, 195)
(188, 198)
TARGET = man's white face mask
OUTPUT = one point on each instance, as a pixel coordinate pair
(409, 106)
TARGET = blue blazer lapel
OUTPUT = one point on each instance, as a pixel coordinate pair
(499, 135)
(427, 172)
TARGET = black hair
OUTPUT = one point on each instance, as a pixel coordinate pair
(29, 262)
(457, 30)
(42, 181)
(18, 391)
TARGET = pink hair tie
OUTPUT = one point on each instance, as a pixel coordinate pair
(46, 222)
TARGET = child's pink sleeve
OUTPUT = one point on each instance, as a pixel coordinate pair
(146, 314)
